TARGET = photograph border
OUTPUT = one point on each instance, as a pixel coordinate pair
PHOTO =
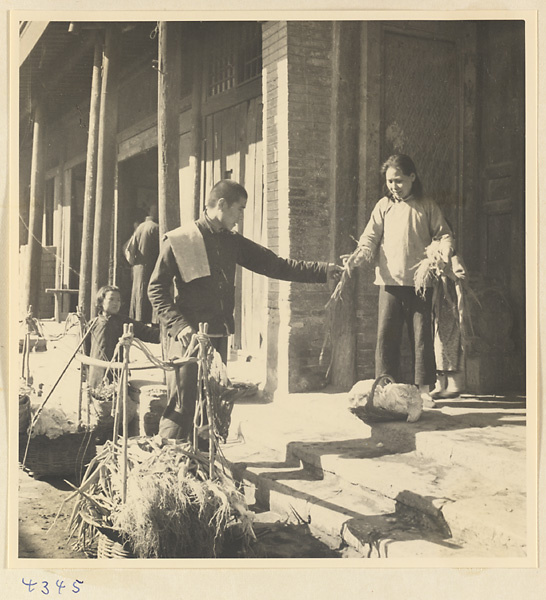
(531, 203)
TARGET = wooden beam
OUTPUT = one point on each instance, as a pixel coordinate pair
(29, 37)
(106, 161)
(90, 185)
(169, 67)
(344, 160)
(74, 53)
(31, 290)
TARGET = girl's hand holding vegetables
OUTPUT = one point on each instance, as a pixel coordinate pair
(350, 261)
(458, 268)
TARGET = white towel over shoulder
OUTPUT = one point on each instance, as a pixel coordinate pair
(189, 252)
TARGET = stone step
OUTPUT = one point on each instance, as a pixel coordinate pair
(489, 440)
(329, 466)
(364, 520)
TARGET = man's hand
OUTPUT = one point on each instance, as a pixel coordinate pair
(185, 335)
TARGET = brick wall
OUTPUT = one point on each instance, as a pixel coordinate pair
(297, 95)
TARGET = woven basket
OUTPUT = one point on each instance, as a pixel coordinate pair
(109, 546)
(65, 456)
(24, 412)
(152, 404)
(369, 413)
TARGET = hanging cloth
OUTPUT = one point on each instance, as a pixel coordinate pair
(189, 252)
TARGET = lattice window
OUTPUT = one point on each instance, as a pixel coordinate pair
(236, 56)
(251, 52)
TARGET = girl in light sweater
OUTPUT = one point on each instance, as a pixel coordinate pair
(402, 224)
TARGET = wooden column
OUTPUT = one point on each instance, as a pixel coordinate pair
(344, 193)
(196, 126)
(34, 246)
(84, 298)
(168, 129)
(106, 161)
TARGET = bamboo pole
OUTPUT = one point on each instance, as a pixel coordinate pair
(168, 128)
(204, 384)
(127, 341)
(83, 369)
(116, 409)
(106, 161)
(90, 184)
(33, 270)
(26, 349)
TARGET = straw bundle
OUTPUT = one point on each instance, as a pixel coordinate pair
(432, 267)
(53, 423)
(434, 271)
(173, 508)
(351, 261)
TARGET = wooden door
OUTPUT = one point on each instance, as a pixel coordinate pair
(419, 98)
(502, 185)
(428, 107)
(232, 149)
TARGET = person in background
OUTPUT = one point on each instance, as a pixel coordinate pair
(202, 257)
(142, 256)
(402, 224)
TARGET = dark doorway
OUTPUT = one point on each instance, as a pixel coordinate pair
(137, 191)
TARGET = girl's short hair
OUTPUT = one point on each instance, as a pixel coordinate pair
(407, 166)
(101, 294)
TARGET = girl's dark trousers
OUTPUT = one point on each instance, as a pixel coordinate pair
(399, 305)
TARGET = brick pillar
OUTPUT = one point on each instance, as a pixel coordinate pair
(369, 189)
(297, 91)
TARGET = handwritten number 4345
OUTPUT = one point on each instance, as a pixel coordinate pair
(45, 588)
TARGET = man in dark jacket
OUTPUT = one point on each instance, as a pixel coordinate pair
(202, 257)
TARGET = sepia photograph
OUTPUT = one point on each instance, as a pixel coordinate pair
(273, 291)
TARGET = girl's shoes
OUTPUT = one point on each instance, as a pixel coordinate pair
(443, 395)
(426, 396)
(447, 385)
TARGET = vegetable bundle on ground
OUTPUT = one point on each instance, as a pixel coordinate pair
(173, 508)
(382, 399)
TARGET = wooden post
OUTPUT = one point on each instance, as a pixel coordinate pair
(106, 162)
(84, 299)
(127, 341)
(196, 126)
(344, 157)
(168, 129)
(37, 183)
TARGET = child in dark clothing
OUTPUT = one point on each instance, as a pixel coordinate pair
(107, 329)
